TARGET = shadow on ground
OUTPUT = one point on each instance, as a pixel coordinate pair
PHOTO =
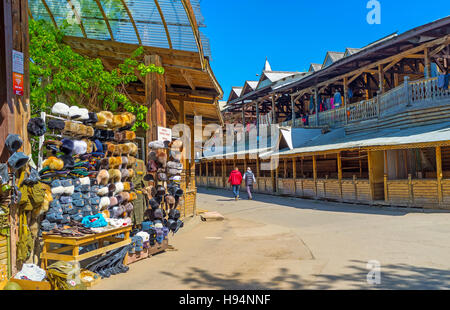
(319, 205)
(199, 279)
(393, 277)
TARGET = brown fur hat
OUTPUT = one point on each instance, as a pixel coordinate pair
(53, 163)
(110, 148)
(149, 191)
(125, 196)
(115, 162)
(105, 119)
(130, 173)
(170, 200)
(119, 136)
(114, 175)
(133, 149)
(89, 131)
(104, 163)
(118, 121)
(129, 135)
(131, 161)
(102, 177)
(129, 118)
(89, 144)
(162, 158)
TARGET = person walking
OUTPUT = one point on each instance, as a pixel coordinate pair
(249, 179)
(235, 180)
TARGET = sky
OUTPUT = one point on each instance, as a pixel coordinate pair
(295, 33)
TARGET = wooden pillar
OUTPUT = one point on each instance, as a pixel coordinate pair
(346, 98)
(207, 174)
(155, 98)
(214, 168)
(192, 182)
(439, 173)
(274, 113)
(316, 107)
(294, 173)
(386, 174)
(285, 168)
(339, 164)
(315, 173)
(224, 172)
(293, 111)
(243, 115)
(367, 86)
(380, 79)
(258, 174)
(427, 68)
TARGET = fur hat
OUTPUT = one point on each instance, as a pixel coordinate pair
(92, 119)
(104, 163)
(153, 204)
(118, 136)
(89, 131)
(90, 145)
(60, 108)
(149, 178)
(133, 149)
(111, 188)
(130, 135)
(74, 112)
(176, 156)
(126, 186)
(103, 191)
(162, 158)
(115, 162)
(119, 188)
(176, 145)
(156, 145)
(84, 114)
(105, 118)
(118, 121)
(124, 161)
(56, 124)
(36, 127)
(152, 166)
(125, 196)
(106, 214)
(53, 163)
(85, 181)
(131, 161)
(170, 201)
(129, 118)
(104, 203)
(113, 201)
(114, 175)
(79, 147)
(130, 173)
(67, 146)
(102, 177)
(125, 174)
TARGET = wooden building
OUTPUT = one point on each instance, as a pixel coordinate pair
(387, 142)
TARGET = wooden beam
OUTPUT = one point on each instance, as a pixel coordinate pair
(78, 18)
(105, 18)
(50, 13)
(163, 19)
(439, 174)
(188, 79)
(193, 21)
(130, 16)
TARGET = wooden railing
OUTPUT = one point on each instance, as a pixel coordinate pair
(424, 91)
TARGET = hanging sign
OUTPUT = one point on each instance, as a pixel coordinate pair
(17, 61)
(164, 134)
(18, 84)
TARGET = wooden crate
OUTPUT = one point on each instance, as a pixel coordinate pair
(97, 278)
(28, 285)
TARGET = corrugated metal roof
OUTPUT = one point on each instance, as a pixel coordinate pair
(145, 14)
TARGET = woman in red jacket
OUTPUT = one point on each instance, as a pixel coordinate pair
(235, 180)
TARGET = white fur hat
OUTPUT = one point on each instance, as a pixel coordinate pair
(85, 181)
(103, 191)
(74, 112)
(60, 108)
(58, 190)
(104, 203)
(68, 190)
(79, 147)
(84, 114)
(119, 188)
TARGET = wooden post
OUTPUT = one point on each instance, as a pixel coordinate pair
(207, 174)
(243, 115)
(315, 173)
(293, 111)
(339, 164)
(155, 98)
(316, 101)
(274, 113)
(439, 173)
(380, 79)
(224, 176)
(366, 91)
(410, 190)
(386, 173)
(346, 98)
(294, 173)
(427, 68)
(371, 175)
(257, 120)
(192, 166)
(258, 166)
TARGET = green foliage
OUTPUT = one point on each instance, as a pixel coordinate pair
(57, 73)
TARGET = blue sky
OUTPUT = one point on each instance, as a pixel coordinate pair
(295, 33)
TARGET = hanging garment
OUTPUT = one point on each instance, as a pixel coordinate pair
(443, 81)
(337, 99)
(332, 103)
(434, 70)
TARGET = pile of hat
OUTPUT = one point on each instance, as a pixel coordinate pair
(90, 169)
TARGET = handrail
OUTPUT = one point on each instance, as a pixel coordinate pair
(408, 94)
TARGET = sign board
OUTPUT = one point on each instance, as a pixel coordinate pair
(164, 134)
(17, 62)
(18, 84)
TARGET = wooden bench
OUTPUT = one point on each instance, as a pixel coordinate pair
(73, 244)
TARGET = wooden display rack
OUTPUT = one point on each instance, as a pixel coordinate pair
(146, 253)
(74, 243)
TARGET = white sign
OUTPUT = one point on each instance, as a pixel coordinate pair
(17, 61)
(164, 134)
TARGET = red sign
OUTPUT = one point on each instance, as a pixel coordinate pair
(18, 84)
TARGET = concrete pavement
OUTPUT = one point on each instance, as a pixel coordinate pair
(287, 243)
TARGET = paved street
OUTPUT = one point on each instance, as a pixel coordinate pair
(286, 243)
